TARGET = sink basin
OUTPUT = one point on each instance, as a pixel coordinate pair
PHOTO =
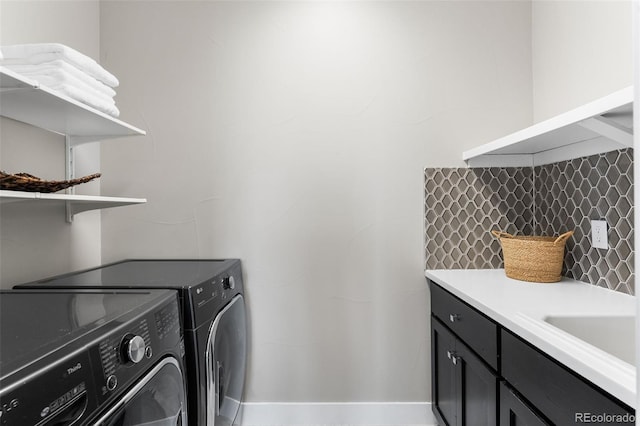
(613, 334)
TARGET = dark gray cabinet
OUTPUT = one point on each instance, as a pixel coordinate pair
(484, 375)
(464, 384)
(464, 387)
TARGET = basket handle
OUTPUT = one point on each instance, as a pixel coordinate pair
(501, 234)
(563, 237)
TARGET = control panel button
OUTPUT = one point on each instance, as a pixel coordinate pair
(133, 348)
(228, 283)
(148, 352)
(112, 382)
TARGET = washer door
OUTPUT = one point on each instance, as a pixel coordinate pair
(158, 399)
(226, 359)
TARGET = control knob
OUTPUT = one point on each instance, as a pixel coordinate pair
(133, 348)
(228, 283)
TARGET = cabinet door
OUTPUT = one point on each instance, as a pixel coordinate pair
(478, 388)
(464, 389)
(515, 412)
(443, 379)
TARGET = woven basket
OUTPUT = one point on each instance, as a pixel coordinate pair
(30, 183)
(534, 259)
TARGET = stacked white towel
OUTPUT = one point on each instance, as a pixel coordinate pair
(64, 70)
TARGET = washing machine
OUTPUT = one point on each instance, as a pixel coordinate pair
(214, 319)
(91, 357)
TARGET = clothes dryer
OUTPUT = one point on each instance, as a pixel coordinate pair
(214, 318)
(91, 357)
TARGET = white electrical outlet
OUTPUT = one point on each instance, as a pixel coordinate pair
(599, 237)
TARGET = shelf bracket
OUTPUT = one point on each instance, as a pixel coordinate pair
(609, 129)
(69, 173)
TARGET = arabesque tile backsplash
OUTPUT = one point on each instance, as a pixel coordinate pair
(462, 206)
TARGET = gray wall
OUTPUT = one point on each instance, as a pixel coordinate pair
(36, 242)
(293, 135)
(581, 51)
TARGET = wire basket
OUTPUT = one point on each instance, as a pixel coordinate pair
(30, 183)
(533, 258)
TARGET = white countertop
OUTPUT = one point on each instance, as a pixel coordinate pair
(521, 307)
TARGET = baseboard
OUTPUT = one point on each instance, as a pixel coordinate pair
(330, 414)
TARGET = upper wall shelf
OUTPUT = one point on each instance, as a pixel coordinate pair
(25, 100)
(603, 125)
(74, 203)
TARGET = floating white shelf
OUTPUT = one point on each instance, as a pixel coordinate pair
(25, 100)
(74, 203)
(600, 126)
